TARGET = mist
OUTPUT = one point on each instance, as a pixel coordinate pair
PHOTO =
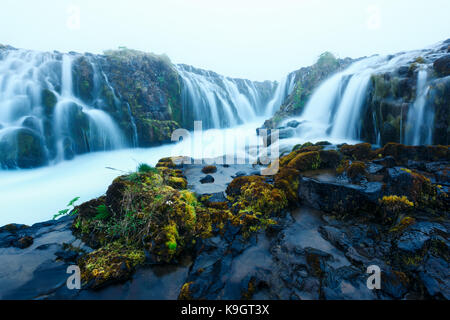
(250, 39)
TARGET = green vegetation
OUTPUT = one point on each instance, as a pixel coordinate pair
(145, 168)
(71, 209)
(327, 59)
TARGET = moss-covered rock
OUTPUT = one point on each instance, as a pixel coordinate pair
(22, 148)
(361, 151)
(114, 262)
(49, 101)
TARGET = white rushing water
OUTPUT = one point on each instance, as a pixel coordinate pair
(35, 195)
(334, 111)
(420, 121)
(24, 75)
(222, 102)
(231, 110)
(28, 196)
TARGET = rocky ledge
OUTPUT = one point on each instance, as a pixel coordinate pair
(308, 232)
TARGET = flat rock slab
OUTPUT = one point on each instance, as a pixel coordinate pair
(222, 177)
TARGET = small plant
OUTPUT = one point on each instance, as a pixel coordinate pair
(102, 212)
(69, 210)
(145, 168)
(396, 204)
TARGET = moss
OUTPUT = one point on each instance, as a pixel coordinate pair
(361, 151)
(403, 153)
(356, 168)
(381, 86)
(305, 161)
(177, 183)
(209, 169)
(184, 292)
(262, 198)
(396, 204)
(165, 162)
(287, 179)
(422, 191)
(251, 287)
(420, 60)
(343, 166)
(148, 212)
(329, 159)
(49, 101)
(254, 202)
(403, 224)
(112, 263)
(234, 188)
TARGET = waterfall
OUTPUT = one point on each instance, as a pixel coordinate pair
(221, 102)
(346, 122)
(284, 88)
(335, 109)
(41, 119)
(419, 119)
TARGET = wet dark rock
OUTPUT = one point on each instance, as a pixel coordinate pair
(412, 241)
(293, 123)
(23, 242)
(435, 277)
(442, 65)
(240, 174)
(207, 179)
(387, 162)
(340, 198)
(209, 169)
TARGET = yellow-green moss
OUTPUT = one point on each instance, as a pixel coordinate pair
(305, 161)
(177, 183)
(395, 203)
(355, 169)
(184, 292)
(114, 262)
(361, 151)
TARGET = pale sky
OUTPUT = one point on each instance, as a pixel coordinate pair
(254, 39)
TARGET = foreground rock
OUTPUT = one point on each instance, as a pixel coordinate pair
(308, 232)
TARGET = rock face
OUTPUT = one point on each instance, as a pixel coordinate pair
(306, 80)
(309, 232)
(406, 100)
(82, 103)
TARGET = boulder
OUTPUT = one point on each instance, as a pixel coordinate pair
(340, 198)
(442, 65)
(207, 179)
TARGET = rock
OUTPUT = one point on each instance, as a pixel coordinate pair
(207, 179)
(67, 255)
(404, 182)
(442, 65)
(24, 242)
(394, 283)
(412, 241)
(374, 168)
(390, 133)
(240, 174)
(387, 162)
(435, 277)
(293, 124)
(209, 169)
(340, 198)
(22, 148)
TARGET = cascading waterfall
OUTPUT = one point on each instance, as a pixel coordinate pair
(101, 132)
(32, 133)
(221, 102)
(334, 111)
(420, 120)
(284, 88)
